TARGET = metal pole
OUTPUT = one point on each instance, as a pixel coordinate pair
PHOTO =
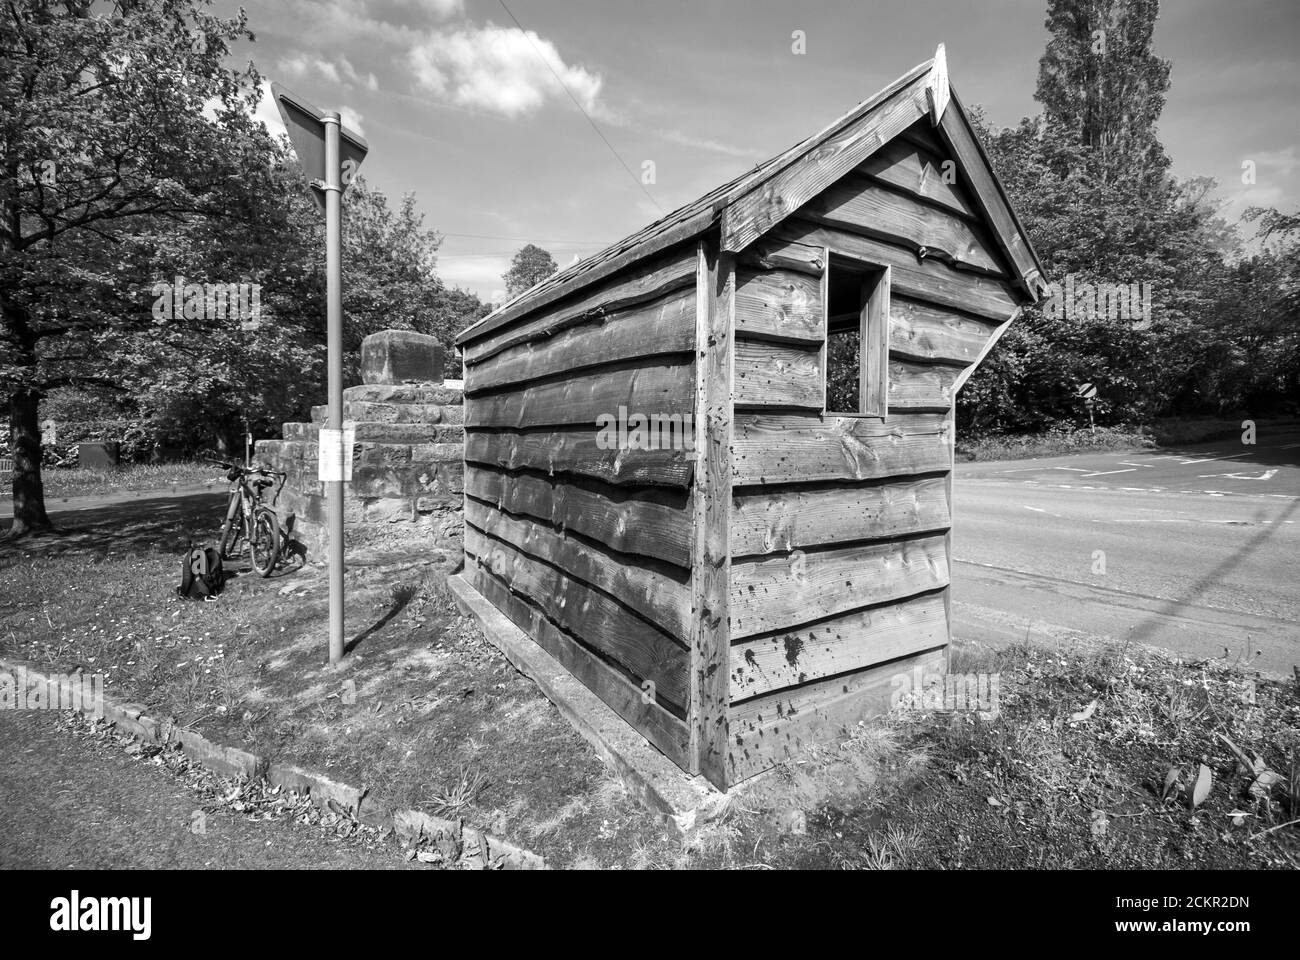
(334, 338)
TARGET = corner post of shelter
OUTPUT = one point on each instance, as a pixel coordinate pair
(711, 551)
(951, 422)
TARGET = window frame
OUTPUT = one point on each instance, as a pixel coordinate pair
(873, 336)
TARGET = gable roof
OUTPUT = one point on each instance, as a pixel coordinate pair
(756, 201)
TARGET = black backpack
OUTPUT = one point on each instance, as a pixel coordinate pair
(202, 576)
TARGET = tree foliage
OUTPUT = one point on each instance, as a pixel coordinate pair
(1089, 179)
(133, 166)
(531, 265)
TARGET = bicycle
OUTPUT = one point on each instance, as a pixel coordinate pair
(250, 520)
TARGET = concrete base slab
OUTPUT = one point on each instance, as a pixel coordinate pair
(657, 782)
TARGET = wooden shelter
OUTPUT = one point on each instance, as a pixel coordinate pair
(658, 489)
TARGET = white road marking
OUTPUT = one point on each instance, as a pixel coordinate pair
(1106, 473)
(1130, 463)
(1071, 469)
(1266, 475)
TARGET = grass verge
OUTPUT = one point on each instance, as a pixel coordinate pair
(128, 478)
(1065, 440)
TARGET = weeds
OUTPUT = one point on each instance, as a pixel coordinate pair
(453, 800)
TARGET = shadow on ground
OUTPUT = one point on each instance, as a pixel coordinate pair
(163, 524)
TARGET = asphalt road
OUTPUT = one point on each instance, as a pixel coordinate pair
(1193, 549)
(69, 802)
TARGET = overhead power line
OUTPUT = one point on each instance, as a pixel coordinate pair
(581, 109)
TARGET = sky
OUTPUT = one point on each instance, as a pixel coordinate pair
(491, 125)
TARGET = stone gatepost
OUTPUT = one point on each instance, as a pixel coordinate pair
(407, 462)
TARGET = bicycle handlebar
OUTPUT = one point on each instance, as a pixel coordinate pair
(242, 470)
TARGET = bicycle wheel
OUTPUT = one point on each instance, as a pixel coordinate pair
(264, 544)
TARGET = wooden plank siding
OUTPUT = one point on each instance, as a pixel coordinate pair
(769, 730)
(662, 598)
(776, 520)
(639, 387)
(837, 645)
(658, 327)
(574, 450)
(648, 521)
(598, 620)
(840, 526)
(583, 539)
(923, 174)
(925, 332)
(674, 268)
(658, 725)
(928, 280)
(780, 304)
(791, 448)
(893, 215)
(780, 591)
(778, 375)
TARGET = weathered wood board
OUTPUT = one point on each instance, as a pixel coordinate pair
(650, 522)
(661, 599)
(778, 375)
(576, 450)
(790, 448)
(781, 591)
(838, 645)
(595, 618)
(788, 518)
(769, 730)
(664, 389)
(663, 326)
(711, 556)
(628, 700)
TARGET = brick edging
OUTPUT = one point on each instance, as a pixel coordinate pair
(459, 844)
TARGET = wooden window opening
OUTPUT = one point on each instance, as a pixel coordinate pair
(857, 342)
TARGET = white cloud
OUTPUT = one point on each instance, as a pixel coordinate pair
(441, 8)
(303, 67)
(351, 119)
(713, 146)
(498, 69)
(324, 21)
(479, 273)
(268, 113)
(1274, 186)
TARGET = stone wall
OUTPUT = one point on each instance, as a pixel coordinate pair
(407, 485)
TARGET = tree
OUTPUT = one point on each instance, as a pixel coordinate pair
(1102, 87)
(114, 118)
(530, 266)
(390, 278)
(1089, 178)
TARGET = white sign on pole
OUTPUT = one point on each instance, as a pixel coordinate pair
(335, 448)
